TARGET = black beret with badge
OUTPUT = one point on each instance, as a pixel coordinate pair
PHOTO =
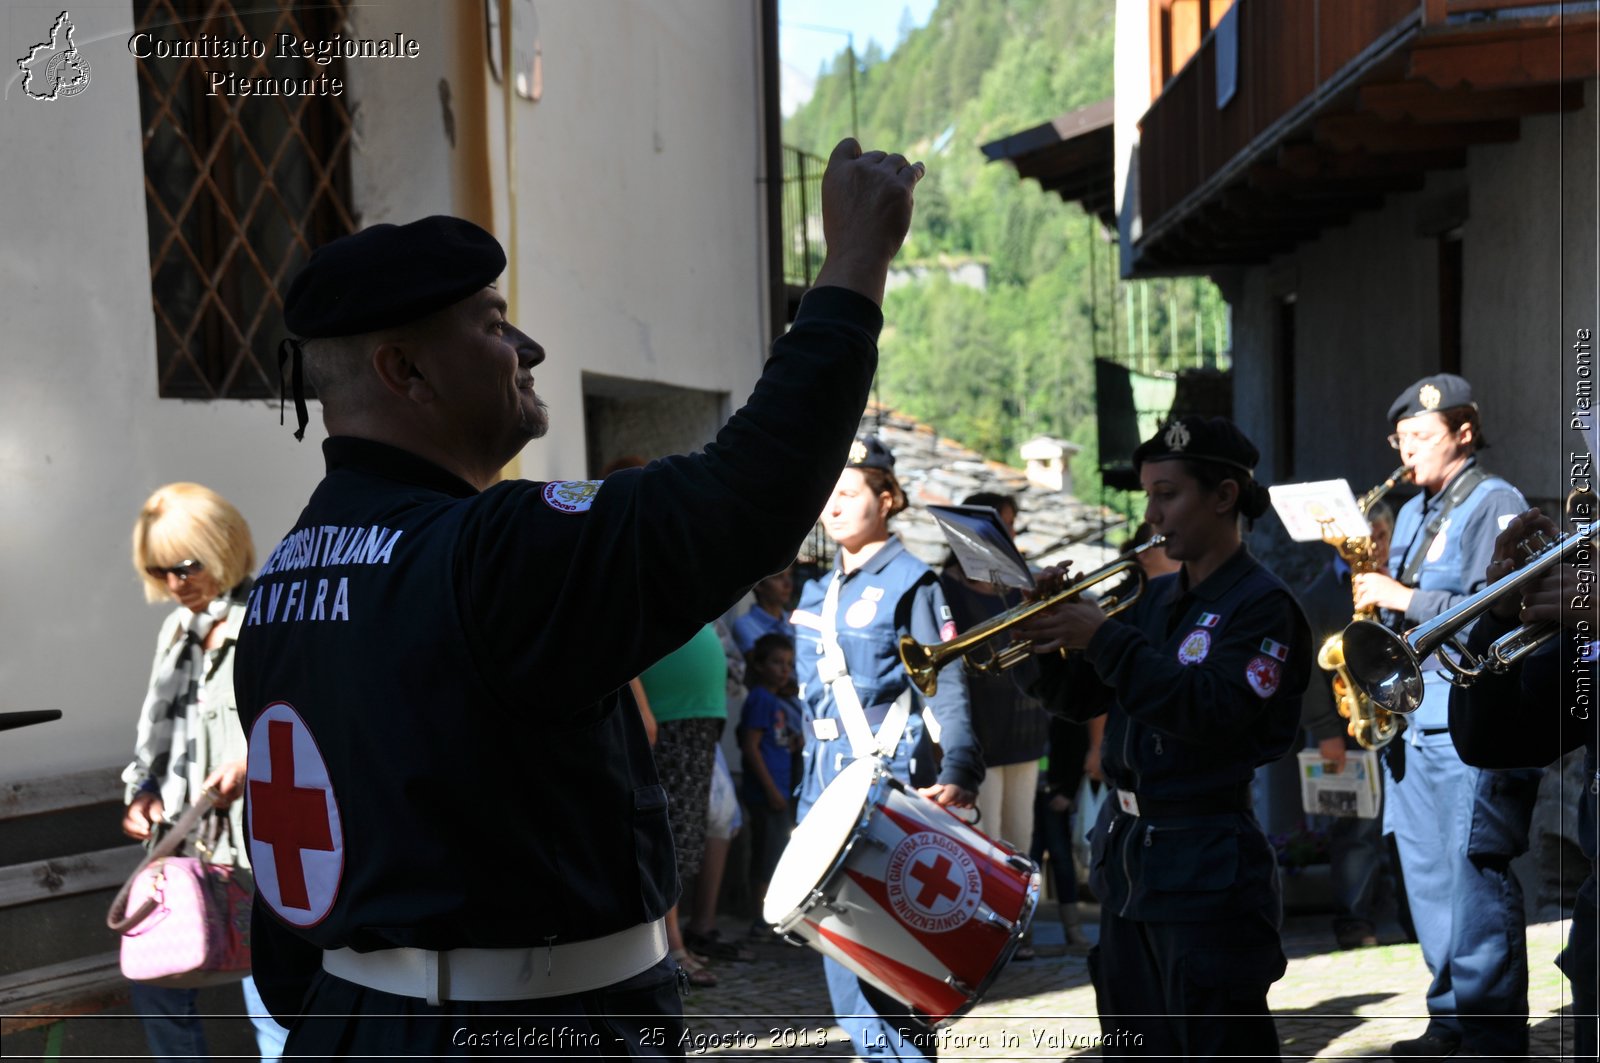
(1195, 438)
(868, 452)
(1441, 391)
(381, 277)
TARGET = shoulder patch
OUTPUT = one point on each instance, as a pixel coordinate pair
(570, 496)
(1275, 649)
(1263, 675)
(1209, 620)
(1195, 647)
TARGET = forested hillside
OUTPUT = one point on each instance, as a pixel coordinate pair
(992, 368)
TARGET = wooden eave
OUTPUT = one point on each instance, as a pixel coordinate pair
(1072, 155)
(1412, 104)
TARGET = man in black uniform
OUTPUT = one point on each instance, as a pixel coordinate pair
(453, 812)
(1534, 714)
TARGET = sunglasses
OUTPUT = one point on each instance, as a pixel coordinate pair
(183, 570)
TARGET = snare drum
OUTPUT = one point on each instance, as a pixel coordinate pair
(902, 892)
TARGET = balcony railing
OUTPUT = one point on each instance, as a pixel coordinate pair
(801, 233)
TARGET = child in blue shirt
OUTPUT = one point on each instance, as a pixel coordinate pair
(768, 735)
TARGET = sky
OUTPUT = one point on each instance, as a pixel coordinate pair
(812, 32)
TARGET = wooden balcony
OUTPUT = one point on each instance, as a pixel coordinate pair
(1334, 104)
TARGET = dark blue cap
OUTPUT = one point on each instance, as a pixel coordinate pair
(1441, 391)
(1195, 438)
(388, 275)
(868, 452)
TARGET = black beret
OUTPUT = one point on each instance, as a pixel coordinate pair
(1213, 439)
(388, 275)
(1441, 391)
(868, 452)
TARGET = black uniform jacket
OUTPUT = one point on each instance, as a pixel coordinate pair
(1530, 716)
(1203, 684)
(456, 657)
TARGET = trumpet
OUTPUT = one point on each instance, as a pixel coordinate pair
(1388, 667)
(923, 662)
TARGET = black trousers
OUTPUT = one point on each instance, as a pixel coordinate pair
(1186, 990)
(640, 1018)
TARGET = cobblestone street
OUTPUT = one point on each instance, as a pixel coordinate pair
(1330, 1004)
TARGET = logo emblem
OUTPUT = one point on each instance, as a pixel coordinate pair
(858, 452)
(1263, 675)
(570, 496)
(55, 69)
(933, 884)
(296, 835)
(1209, 620)
(860, 613)
(1177, 437)
(1195, 647)
(1275, 649)
(1429, 396)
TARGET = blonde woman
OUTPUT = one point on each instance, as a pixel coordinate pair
(192, 547)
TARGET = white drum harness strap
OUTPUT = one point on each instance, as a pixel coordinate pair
(834, 673)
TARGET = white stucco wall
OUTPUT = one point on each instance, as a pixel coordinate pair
(639, 217)
(639, 213)
(1367, 313)
(1131, 78)
(83, 436)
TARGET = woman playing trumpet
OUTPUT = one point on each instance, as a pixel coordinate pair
(1201, 680)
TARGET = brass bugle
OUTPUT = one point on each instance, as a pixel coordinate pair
(923, 661)
(1388, 667)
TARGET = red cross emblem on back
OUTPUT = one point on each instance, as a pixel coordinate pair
(296, 840)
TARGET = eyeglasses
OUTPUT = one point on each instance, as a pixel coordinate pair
(1424, 442)
(184, 570)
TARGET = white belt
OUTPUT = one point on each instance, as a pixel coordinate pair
(504, 974)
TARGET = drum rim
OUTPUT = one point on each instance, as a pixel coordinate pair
(816, 894)
(1030, 906)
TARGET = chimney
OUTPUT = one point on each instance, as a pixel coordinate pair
(1047, 459)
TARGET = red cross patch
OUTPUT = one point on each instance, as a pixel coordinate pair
(1263, 674)
(296, 839)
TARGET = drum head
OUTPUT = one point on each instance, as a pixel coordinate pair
(816, 842)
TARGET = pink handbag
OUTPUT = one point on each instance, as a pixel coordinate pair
(190, 924)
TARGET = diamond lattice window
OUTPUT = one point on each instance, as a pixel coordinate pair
(238, 188)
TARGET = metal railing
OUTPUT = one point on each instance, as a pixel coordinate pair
(801, 226)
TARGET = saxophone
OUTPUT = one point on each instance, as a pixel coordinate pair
(1371, 726)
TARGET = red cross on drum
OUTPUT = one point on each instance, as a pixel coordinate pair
(296, 838)
(932, 883)
(903, 893)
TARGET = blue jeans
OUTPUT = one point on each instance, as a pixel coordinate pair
(175, 1031)
(880, 1027)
